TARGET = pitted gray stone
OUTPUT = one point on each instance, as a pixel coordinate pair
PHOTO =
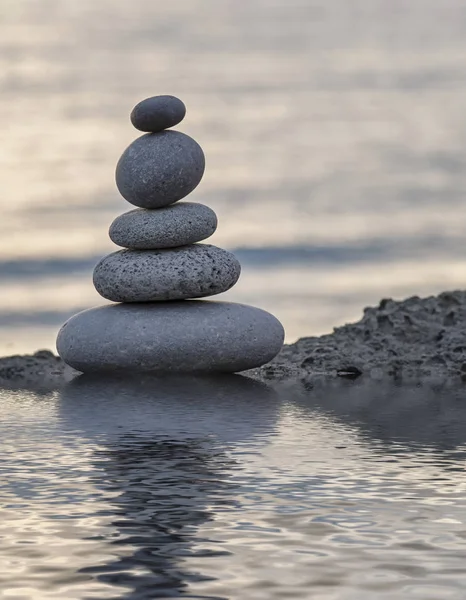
(177, 225)
(158, 113)
(190, 336)
(158, 169)
(193, 271)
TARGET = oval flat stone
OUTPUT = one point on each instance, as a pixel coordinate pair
(158, 169)
(158, 113)
(192, 271)
(190, 336)
(177, 225)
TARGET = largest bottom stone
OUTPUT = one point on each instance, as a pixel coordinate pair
(185, 336)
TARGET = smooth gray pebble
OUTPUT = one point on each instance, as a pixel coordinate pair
(187, 336)
(158, 169)
(158, 113)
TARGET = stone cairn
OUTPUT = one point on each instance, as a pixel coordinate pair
(156, 325)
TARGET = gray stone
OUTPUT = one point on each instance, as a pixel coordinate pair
(158, 113)
(177, 225)
(193, 271)
(158, 169)
(190, 336)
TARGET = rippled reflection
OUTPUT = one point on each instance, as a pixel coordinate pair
(419, 416)
(227, 407)
(165, 489)
(169, 466)
(224, 488)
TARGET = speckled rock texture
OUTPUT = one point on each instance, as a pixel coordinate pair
(192, 336)
(193, 271)
(158, 169)
(158, 113)
(414, 341)
(176, 225)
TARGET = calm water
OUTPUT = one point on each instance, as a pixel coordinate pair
(227, 489)
(335, 135)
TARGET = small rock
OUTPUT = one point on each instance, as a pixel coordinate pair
(384, 322)
(158, 169)
(44, 354)
(177, 225)
(440, 335)
(158, 113)
(307, 362)
(436, 359)
(450, 319)
(185, 336)
(193, 271)
(384, 303)
(349, 372)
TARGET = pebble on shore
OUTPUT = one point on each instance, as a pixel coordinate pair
(188, 336)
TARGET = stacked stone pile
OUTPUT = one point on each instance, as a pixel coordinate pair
(158, 325)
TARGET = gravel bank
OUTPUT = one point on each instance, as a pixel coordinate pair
(417, 340)
(41, 371)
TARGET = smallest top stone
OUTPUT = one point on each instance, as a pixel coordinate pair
(158, 113)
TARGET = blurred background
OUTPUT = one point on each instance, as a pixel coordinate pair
(334, 131)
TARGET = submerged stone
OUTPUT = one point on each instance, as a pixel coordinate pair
(190, 336)
(177, 225)
(193, 271)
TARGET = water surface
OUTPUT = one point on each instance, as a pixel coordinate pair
(227, 489)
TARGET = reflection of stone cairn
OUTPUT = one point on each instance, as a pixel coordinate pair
(155, 327)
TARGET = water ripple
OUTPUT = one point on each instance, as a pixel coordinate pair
(222, 489)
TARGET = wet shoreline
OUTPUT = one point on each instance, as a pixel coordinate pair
(414, 341)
